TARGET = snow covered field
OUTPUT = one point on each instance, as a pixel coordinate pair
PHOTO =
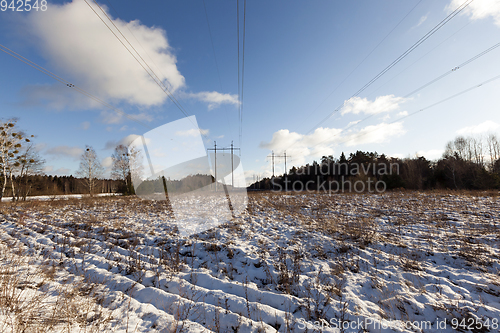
(403, 262)
(60, 196)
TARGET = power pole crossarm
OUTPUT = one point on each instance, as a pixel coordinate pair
(231, 149)
(285, 156)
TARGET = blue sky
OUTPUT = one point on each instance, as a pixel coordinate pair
(303, 59)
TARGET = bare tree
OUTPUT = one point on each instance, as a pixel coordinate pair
(30, 163)
(493, 150)
(11, 142)
(90, 169)
(135, 164)
(467, 149)
(121, 166)
(476, 145)
(462, 147)
(127, 165)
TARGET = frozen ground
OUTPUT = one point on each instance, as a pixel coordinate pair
(411, 262)
(59, 196)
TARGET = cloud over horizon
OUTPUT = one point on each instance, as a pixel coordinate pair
(323, 140)
(381, 104)
(485, 127)
(49, 169)
(65, 151)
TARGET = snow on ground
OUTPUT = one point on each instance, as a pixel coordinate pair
(397, 262)
(60, 196)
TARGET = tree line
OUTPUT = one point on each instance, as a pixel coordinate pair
(468, 163)
(22, 175)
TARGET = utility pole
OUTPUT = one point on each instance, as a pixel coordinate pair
(232, 166)
(285, 157)
(232, 149)
(272, 159)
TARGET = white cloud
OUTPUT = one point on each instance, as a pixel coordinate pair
(352, 123)
(381, 104)
(322, 141)
(192, 132)
(214, 99)
(432, 154)
(479, 9)
(375, 134)
(487, 126)
(397, 155)
(65, 151)
(422, 20)
(40, 146)
(85, 125)
(87, 52)
(49, 169)
(301, 146)
(124, 141)
(113, 117)
(110, 117)
(56, 96)
(252, 176)
(107, 162)
(402, 114)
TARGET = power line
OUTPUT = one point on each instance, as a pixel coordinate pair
(138, 42)
(212, 42)
(226, 192)
(419, 42)
(242, 71)
(231, 149)
(366, 57)
(243, 68)
(427, 107)
(239, 92)
(454, 69)
(401, 57)
(150, 72)
(216, 64)
(67, 83)
(158, 80)
(423, 56)
(285, 156)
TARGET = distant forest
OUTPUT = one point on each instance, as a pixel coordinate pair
(467, 164)
(33, 185)
(55, 185)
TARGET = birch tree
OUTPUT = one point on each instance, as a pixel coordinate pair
(127, 165)
(494, 150)
(90, 169)
(120, 169)
(30, 163)
(11, 141)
